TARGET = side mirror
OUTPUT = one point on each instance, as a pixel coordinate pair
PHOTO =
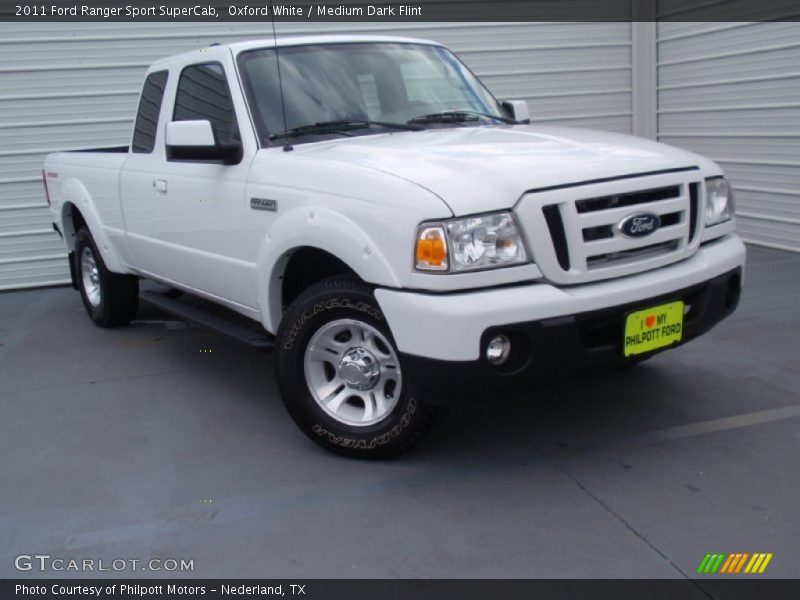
(195, 140)
(518, 109)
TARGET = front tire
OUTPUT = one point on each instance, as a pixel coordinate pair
(110, 299)
(340, 377)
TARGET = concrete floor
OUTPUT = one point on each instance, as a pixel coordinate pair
(162, 440)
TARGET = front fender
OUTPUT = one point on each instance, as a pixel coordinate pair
(324, 229)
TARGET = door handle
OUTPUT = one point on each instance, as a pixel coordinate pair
(160, 185)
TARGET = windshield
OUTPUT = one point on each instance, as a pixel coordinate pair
(380, 83)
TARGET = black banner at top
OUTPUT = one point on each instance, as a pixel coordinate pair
(408, 11)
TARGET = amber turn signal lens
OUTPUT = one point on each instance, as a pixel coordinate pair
(431, 249)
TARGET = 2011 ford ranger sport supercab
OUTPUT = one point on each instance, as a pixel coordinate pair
(401, 237)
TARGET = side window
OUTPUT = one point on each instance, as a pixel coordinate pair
(203, 94)
(144, 131)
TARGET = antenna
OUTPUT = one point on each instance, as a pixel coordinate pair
(287, 147)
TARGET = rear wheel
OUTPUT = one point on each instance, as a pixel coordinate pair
(110, 299)
(340, 376)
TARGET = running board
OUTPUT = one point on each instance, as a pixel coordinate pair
(261, 341)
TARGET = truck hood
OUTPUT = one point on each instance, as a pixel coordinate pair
(477, 169)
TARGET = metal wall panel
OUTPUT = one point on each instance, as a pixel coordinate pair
(75, 85)
(731, 91)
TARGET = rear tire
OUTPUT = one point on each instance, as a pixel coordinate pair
(340, 378)
(110, 299)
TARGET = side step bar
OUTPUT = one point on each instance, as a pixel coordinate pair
(261, 341)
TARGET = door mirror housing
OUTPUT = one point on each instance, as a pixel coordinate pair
(195, 140)
(190, 134)
(518, 110)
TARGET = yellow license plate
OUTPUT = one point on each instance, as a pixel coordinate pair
(653, 328)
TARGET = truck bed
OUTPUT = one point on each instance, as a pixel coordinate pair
(92, 175)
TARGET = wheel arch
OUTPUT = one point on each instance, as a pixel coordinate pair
(296, 270)
(71, 222)
(306, 266)
(319, 238)
(77, 211)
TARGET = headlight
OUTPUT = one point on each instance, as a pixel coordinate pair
(719, 201)
(479, 242)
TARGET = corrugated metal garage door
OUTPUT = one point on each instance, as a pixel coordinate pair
(68, 86)
(731, 91)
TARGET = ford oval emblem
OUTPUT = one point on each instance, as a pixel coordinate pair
(639, 225)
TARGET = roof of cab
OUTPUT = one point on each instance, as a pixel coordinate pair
(324, 39)
(306, 40)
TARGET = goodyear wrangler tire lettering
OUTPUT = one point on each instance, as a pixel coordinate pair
(317, 311)
(380, 440)
(327, 305)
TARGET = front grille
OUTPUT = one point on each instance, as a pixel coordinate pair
(694, 203)
(633, 253)
(601, 232)
(581, 240)
(555, 224)
(598, 217)
(671, 219)
(620, 200)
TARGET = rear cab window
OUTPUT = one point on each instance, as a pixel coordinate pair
(146, 126)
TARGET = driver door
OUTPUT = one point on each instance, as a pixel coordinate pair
(198, 214)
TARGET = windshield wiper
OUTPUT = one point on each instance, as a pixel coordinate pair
(340, 126)
(459, 116)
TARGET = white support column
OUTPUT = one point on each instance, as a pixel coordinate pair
(645, 75)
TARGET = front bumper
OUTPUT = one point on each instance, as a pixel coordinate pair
(554, 330)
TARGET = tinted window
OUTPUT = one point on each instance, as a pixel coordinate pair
(144, 131)
(203, 94)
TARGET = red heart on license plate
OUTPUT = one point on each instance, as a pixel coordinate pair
(650, 321)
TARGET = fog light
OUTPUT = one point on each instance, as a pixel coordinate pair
(498, 350)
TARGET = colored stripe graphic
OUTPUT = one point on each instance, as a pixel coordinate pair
(734, 560)
(716, 564)
(701, 568)
(765, 563)
(759, 563)
(727, 564)
(734, 563)
(731, 563)
(740, 564)
(757, 558)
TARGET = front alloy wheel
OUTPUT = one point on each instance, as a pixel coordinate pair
(352, 372)
(340, 376)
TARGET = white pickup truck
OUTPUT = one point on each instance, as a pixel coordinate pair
(399, 236)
